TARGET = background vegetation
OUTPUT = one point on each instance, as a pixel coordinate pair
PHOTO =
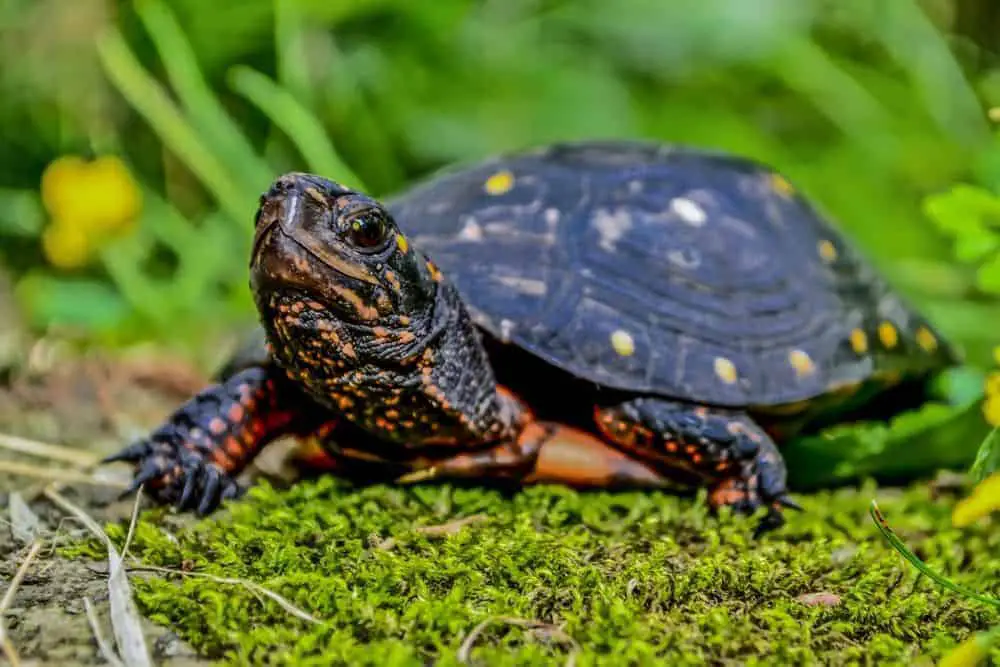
(136, 136)
(878, 110)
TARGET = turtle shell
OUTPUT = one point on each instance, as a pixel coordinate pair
(665, 270)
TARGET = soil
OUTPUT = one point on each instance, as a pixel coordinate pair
(92, 404)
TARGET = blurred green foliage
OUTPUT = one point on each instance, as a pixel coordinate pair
(877, 110)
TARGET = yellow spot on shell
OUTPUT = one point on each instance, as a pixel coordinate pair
(623, 343)
(926, 340)
(726, 370)
(499, 183)
(859, 341)
(402, 243)
(781, 185)
(801, 362)
(888, 335)
(827, 251)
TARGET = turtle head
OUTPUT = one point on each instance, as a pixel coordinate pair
(327, 258)
(339, 248)
(364, 322)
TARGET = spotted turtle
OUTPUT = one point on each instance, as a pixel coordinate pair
(597, 314)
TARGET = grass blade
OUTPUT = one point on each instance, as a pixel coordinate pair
(149, 99)
(987, 458)
(898, 545)
(186, 79)
(297, 122)
(290, 50)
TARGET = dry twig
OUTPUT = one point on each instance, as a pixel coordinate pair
(8, 600)
(553, 631)
(449, 528)
(59, 474)
(282, 602)
(24, 524)
(125, 620)
(106, 649)
(46, 450)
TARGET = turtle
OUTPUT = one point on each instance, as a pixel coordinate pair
(598, 314)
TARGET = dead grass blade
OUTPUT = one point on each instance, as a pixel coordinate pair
(282, 602)
(24, 524)
(125, 620)
(106, 649)
(449, 528)
(59, 474)
(45, 450)
(537, 626)
(8, 600)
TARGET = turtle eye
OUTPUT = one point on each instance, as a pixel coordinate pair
(369, 229)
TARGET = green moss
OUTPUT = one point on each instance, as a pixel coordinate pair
(630, 576)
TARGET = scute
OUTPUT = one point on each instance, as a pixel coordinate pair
(727, 286)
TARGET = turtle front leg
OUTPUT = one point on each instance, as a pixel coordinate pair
(722, 449)
(193, 458)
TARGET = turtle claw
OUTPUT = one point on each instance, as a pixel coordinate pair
(175, 474)
(771, 521)
(134, 452)
(190, 483)
(784, 500)
(150, 471)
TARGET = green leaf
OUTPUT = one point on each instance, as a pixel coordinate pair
(942, 581)
(297, 122)
(75, 302)
(987, 458)
(937, 435)
(962, 210)
(207, 113)
(149, 98)
(975, 244)
(988, 275)
(21, 213)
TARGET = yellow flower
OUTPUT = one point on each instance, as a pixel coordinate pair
(58, 180)
(967, 654)
(66, 245)
(113, 197)
(87, 202)
(993, 384)
(984, 499)
(991, 409)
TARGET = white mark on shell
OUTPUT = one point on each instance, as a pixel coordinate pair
(684, 259)
(611, 226)
(506, 330)
(689, 211)
(551, 216)
(529, 286)
(634, 187)
(471, 230)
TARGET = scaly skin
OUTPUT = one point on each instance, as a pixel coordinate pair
(193, 458)
(365, 331)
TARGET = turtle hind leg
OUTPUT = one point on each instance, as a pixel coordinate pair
(722, 449)
(548, 453)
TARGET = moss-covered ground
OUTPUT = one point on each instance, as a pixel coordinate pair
(632, 578)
